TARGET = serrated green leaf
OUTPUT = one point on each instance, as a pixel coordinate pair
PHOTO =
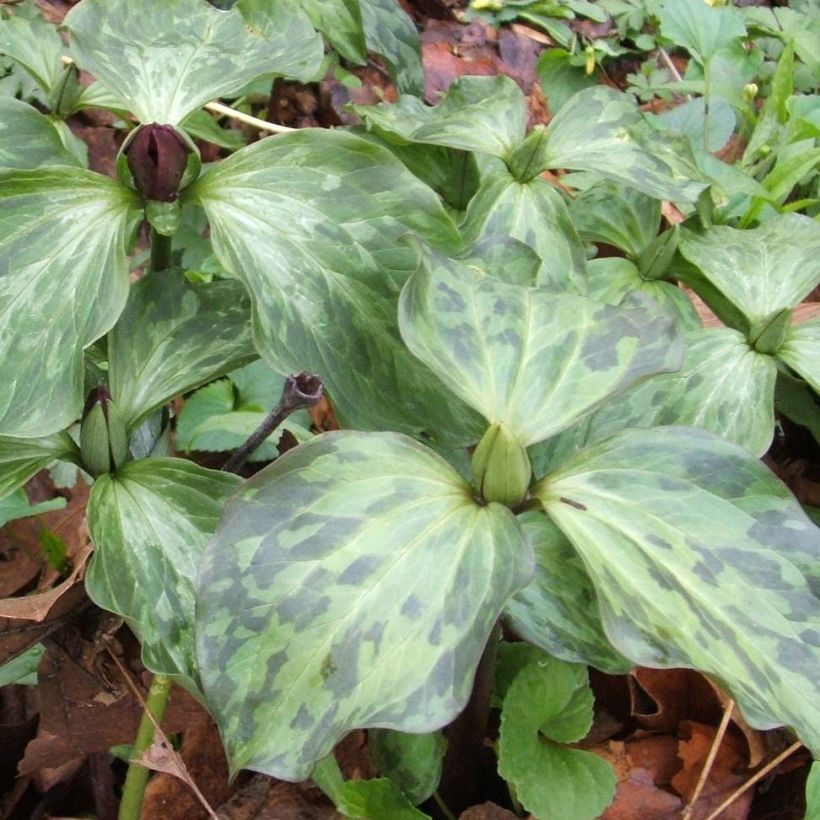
(412, 762)
(615, 215)
(317, 611)
(558, 610)
(150, 522)
(21, 458)
(700, 27)
(801, 351)
(376, 800)
(34, 44)
(485, 114)
(314, 223)
(551, 701)
(63, 283)
(167, 61)
(701, 559)
(759, 271)
(612, 279)
(723, 386)
(390, 33)
(173, 336)
(533, 213)
(531, 359)
(602, 130)
(28, 140)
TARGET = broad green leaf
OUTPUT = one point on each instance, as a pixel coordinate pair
(17, 505)
(376, 800)
(486, 114)
(534, 213)
(602, 130)
(813, 793)
(202, 125)
(318, 611)
(63, 283)
(211, 421)
(314, 224)
(615, 215)
(22, 670)
(559, 78)
(699, 27)
(701, 559)
(558, 610)
(801, 351)
(550, 703)
(341, 22)
(21, 458)
(174, 336)
(723, 386)
(150, 522)
(759, 271)
(412, 762)
(531, 359)
(390, 33)
(613, 278)
(707, 126)
(168, 61)
(28, 140)
(34, 44)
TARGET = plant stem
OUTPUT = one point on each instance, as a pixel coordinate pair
(328, 777)
(300, 390)
(137, 777)
(160, 251)
(466, 757)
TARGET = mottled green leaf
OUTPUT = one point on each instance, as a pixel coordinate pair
(723, 386)
(173, 336)
(150, 522)
(602, 130)
(700, 27)
(801, 351)
(376, 800)
(531, 359)
(17, 505)
(615, 215)
(486, 114)
(702, 559)
(34, 44)
(612, 279)
(21, 458)
(318, 612)
(759, 271)
(534, 213)
(313, 223)
(28, 140)
(412, 762)
(707, 126)
(167, 62)
(558, 610)
(63, 283)
(391, 33)
(550, 703)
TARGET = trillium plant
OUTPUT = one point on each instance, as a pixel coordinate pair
(499, 462)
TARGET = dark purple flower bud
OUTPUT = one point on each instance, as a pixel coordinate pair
(157, 157)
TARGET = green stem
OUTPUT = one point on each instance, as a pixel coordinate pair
(328, 777)
(137, 777)
(160, 251)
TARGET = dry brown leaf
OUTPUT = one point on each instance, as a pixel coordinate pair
(639, 797)
(487, 811)
(661, 698)
(263, 798)
(656, 754)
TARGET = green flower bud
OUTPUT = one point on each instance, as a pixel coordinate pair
(750, 91)
(157, 157)
(501, 467)
(103, 440)
(769, 335)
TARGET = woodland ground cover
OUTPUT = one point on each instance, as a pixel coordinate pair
(541, 301)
